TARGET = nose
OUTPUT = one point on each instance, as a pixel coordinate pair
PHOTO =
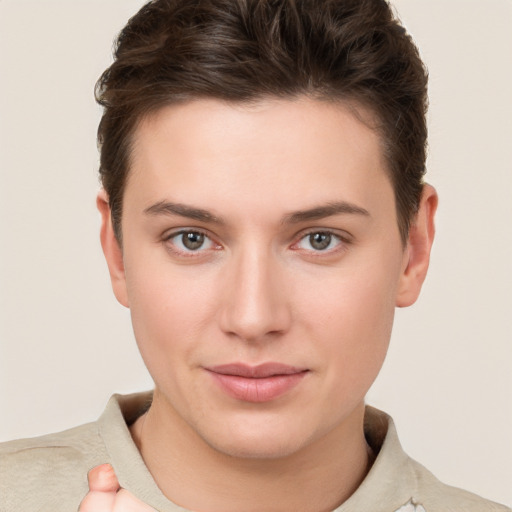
(255, 301)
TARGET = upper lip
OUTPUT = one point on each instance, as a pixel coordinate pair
(259, 371)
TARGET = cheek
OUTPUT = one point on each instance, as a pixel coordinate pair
(168, 308)
(354, 300)
(351, 320)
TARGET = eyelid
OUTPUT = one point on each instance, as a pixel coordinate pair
(339, 233)
(343, 237)
(173, 233)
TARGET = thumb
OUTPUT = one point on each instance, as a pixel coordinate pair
(103, 479)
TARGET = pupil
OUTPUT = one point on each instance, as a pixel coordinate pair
(193, 240)
(320, 241)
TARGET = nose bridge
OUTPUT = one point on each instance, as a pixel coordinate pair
(255, 304)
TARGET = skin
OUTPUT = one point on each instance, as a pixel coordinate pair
(105, 494)
(260, 290)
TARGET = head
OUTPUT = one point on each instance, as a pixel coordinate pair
(242, 51)
(264, 211)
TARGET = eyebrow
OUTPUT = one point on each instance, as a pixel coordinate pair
(316, 213)
(169, 208)
(328, 210)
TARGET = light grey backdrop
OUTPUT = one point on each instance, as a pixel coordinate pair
(65, 344)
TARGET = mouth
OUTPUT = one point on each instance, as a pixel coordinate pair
(257, 384)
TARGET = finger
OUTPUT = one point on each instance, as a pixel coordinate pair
(103, 479)
(98, 501)
(127, 502)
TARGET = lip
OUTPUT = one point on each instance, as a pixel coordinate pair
(257, 384)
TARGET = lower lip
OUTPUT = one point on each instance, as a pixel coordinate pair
(257, 390)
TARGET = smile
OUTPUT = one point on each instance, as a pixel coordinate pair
(257, 384)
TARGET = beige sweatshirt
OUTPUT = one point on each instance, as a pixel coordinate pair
(49, 473)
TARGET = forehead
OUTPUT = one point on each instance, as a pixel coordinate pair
(273, 152)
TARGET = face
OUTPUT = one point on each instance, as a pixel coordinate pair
(262, 263)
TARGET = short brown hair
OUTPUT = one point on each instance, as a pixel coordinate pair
(242, 50)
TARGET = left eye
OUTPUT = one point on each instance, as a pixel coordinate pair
(190, 241)
(319, 241)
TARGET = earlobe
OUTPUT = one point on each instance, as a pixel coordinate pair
(419, 245)
(112, 250)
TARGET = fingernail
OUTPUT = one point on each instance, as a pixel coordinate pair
(106, 468)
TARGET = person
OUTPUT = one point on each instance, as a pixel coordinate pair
(263, 213)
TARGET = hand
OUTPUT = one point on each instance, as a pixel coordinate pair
(106, 495)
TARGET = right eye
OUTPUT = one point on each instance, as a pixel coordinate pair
(190, 241)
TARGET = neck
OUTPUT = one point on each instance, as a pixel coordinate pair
(318, 477)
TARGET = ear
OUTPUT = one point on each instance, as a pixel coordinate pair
(417, 252)
(112, 250)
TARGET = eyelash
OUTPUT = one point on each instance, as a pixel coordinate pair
(341, 243)
(187, 252)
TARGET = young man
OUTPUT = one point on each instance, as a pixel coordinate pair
(263, 215)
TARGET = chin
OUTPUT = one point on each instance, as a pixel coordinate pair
(260, 440)
(257, 448)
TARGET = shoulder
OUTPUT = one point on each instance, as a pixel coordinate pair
(435, 496)
(49, 472)
(397, 483)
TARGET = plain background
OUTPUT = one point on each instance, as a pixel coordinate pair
(66, 345)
